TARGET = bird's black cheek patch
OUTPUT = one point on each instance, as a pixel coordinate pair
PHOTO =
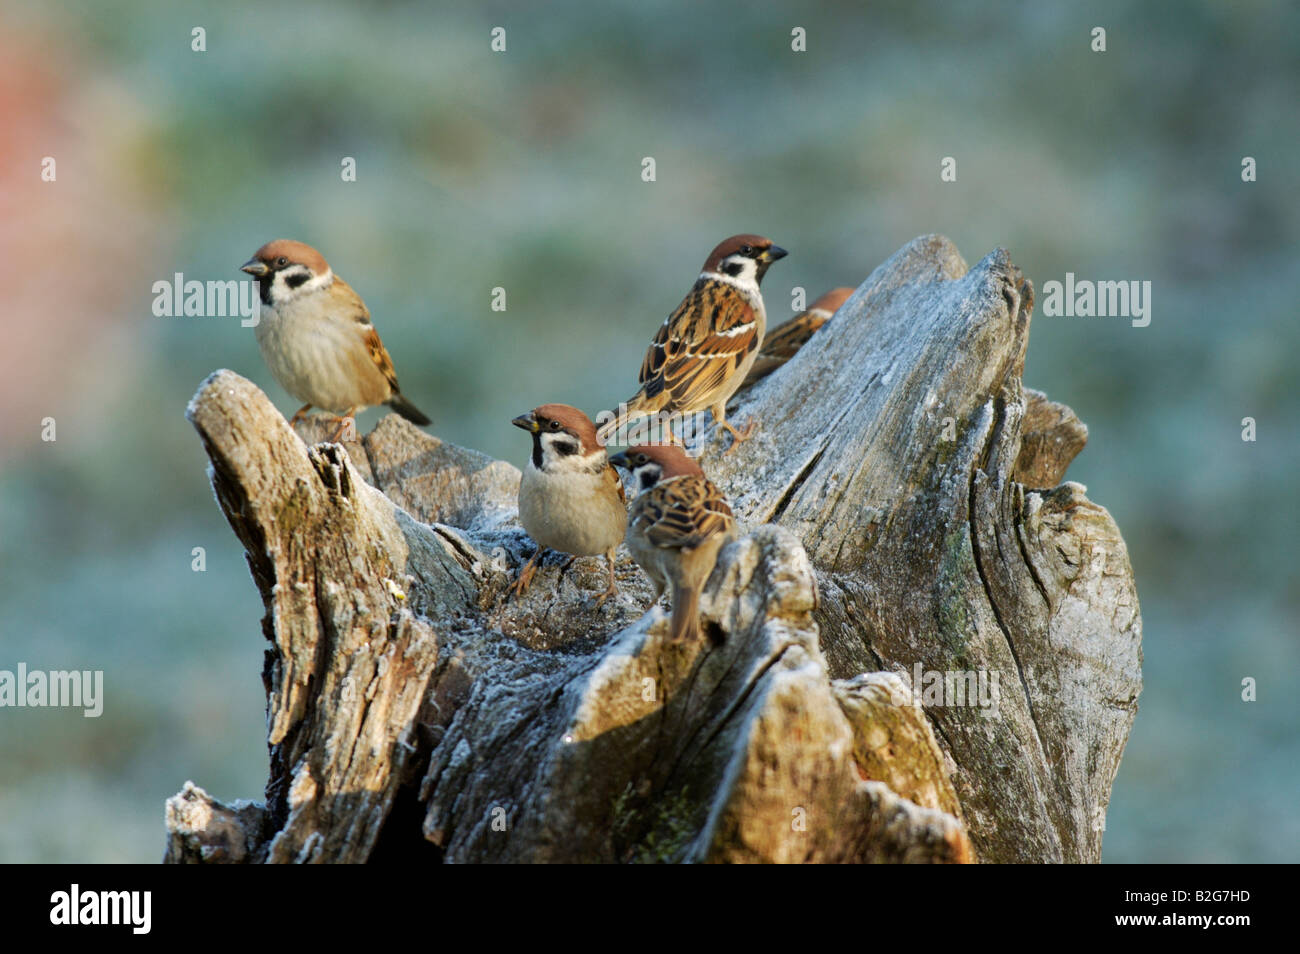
(293, 281)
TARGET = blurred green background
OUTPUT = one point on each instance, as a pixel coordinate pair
(522, 170)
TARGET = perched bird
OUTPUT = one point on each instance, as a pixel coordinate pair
(677, 524)
(705, 348)
(570, 497)
(784, 341)
(316, 336)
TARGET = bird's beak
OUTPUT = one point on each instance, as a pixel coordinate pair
(773, 254)
(620, 460)
(528, 422)
(254, 267)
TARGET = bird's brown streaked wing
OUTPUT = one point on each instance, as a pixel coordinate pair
(612, 477)
(763, 366)
(652, 364)
(682, 513)
(379, 355)
(350, 302)
(720, 517)
(355, 308)
(703, 341)
(784, 342)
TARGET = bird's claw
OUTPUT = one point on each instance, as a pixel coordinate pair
(524, 579)
(737, 436)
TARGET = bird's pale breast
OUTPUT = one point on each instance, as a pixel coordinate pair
(571, 512)
(320, 359)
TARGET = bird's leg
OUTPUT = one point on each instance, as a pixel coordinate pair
(525, 578)
(350, 418)
(612, 589)
(666, 430)
(302, 412)
(737, 435)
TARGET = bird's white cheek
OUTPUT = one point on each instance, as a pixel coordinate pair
(745, 282)
(555, 462)
(282, 292)
(280, 289)
(559, 452)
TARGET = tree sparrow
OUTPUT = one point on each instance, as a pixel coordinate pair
(705, 348)
(570, 498)
(677, 524)
(784, 341)
(317, 339)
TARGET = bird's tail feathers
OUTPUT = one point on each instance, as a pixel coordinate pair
(408, 410)
(685, 624)
(627, 412)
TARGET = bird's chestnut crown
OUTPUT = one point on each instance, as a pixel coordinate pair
(744, 257)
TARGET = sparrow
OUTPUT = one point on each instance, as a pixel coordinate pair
(570, 497)
(784, 341)
(705, 348)
(677, 523)
(316, 337)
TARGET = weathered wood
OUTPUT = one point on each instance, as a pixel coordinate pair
(896, 473)
(1051, 436)
(915, 526)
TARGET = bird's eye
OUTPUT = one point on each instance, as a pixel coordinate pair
(641, 458)
(555, 425)
(281, 261)
(746, 250)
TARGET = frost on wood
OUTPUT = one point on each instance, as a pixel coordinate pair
(905, 520)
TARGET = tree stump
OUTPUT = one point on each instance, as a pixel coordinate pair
(924, 646)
